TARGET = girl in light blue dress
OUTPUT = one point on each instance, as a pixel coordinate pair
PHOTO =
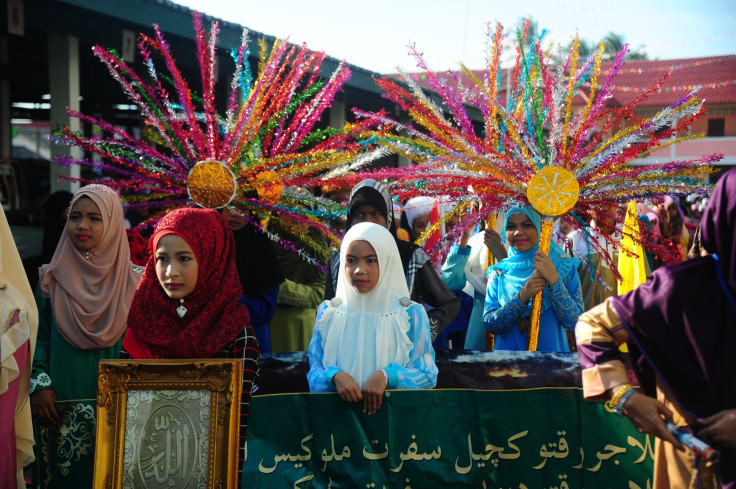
(370, 337)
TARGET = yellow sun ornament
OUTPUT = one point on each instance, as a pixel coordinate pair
(211, 184)
(552, 191)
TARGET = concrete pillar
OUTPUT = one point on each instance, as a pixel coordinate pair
(64, 90)
(402, 161)
(338, 110)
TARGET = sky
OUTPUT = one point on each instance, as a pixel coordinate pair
(374, 34)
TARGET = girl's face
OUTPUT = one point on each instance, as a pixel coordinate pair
(419, 226)
(176, 266)
(234, 221)
(605, 219)
(565, 227)
(521, 233)
(85, 226)
(361, 266)
(368, 213)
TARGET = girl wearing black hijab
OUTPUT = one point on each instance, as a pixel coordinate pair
(259, 272)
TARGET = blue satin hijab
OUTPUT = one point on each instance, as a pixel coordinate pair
(513, 272)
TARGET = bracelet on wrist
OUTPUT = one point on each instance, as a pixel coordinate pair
(616, 397)
(619, 409)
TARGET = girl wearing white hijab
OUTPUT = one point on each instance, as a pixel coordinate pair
(370, 337)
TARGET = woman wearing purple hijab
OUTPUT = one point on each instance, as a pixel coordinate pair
(680, 329)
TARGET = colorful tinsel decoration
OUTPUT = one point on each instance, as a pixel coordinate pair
(528, 125)
(247, 159)
(533, 148)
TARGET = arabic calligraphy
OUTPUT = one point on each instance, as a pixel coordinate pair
(168, 449)
(512, 454)
(489, 451)
(485, 460)
(412, 453)
(557, 450)
(286, 457)
(163, 442)
(329, 457)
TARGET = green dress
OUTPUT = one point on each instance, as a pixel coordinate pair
(65, 452)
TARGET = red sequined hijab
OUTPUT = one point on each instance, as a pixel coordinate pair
(214, 317)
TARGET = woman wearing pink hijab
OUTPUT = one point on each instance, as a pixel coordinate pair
(83, 300)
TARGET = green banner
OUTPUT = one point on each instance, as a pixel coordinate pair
(526, 439)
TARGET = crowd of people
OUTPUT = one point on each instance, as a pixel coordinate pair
(208, 284)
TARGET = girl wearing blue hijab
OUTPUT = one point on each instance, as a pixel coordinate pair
(513, 282)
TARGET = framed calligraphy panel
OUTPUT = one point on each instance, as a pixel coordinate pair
(168, 423)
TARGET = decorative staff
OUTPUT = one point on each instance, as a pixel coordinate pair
(248, 158)
(534, 148)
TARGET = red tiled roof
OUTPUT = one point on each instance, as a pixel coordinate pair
(716, 75)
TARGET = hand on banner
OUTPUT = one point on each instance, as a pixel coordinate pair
(373, 391)
(347, 387)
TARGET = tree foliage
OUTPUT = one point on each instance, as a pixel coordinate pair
(613, 42)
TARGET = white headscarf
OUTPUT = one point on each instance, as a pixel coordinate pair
(362, 333)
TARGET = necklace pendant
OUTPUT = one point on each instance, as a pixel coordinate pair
(181, 310)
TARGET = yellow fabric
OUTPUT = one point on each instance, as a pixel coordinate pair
(16, 294)
(631, 258)
(402, 234)
(674, 469)
(684, 241)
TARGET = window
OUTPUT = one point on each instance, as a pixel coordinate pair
(716, 128)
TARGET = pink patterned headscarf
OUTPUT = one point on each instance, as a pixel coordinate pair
(90, 300)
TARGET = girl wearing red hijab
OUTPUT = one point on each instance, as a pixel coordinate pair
(186, 305)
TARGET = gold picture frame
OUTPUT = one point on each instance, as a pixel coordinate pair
(168, 423)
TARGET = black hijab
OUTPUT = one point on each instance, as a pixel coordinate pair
(255, 259)
(373, 192)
